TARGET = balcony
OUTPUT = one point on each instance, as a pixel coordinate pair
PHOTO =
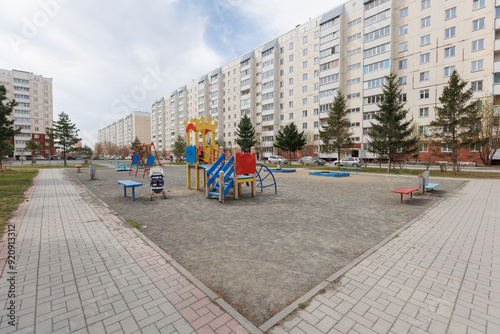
(497, 45)
(496, 89)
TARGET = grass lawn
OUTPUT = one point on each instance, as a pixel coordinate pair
(13, 184)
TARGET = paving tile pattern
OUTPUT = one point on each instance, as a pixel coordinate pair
(441, 275)
(79, 270)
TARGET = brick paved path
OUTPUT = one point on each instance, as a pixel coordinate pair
(78, 270)
(441, 275)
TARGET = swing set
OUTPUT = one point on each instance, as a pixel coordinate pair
(143, 158)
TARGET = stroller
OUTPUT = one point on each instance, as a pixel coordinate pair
(156, 182)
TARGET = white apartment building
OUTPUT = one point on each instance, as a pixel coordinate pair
(123, 131)
(34, 111)
(295, 77)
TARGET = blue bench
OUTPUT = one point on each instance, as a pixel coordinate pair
(129, 184)
(356, 168)
(431, 186)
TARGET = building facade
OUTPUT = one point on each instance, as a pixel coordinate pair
(123, 131)
(34, 112)
(295, 77)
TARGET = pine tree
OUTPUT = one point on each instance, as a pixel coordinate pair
(391, 136)
(335, 134)
(134, 143)
(33, 146)
(179, 147)
(457, 122)
(7, 130)
(290, 140)
(64, 134)
(245, 134)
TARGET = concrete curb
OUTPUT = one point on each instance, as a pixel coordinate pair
(314, 291)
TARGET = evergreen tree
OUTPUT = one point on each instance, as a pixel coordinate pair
(392, 137)
(457, 122)
(245, 134)
(290, 140)
(33, 146)
(135, 142)
(179, 148)
(337, 131)
(64, 134)
(489, 135)
(7, 130)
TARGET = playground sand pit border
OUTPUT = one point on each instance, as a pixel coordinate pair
(262, 253)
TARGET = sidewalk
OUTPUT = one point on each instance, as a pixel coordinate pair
(78, 270)
(440, 275)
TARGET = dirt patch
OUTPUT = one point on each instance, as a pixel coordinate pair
(262, 253)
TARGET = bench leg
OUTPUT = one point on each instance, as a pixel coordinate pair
(133, 193)
(401, 198)
(124, 191)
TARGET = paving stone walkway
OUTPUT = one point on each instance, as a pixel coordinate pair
(440, 275)
(79, 270)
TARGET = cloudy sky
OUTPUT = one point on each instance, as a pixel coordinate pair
(109, 58)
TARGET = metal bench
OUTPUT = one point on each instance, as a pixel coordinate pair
(431, 186)
(406, 190)
(129, 184)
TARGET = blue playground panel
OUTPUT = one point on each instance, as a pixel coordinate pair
(283, 170)
(330, 174)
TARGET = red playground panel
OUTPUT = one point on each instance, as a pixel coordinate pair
(245, 163)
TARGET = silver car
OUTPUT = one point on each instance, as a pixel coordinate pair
(273, 159)
(348, 162)
(311, 161)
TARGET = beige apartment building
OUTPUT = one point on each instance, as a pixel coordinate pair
(123, 131)
(34, 111)
(295, 77)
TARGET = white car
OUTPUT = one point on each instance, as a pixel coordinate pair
(348, 162)
(273, 159)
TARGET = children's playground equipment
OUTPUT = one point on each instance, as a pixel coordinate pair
(220, 176)
(329, 174)
(141, 153)
(157, 183)
(122, 167)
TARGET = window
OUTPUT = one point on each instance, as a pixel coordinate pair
(450, 13)
(403, 30)
(304, 89)
(425, 58)
(402, 97)
(304, 113)
(446, 148)
(290, 46)
(423, 129)
(449, 52)
(449, 33)
(304, 52)
(290, 69)
(290, 115)
(478, 24)
(377, 34)
(477, 65)
(403, 12)
(304, 40)
(423, 147)
(377, 50)
(403, 47)
(376, 66)
(290, 92)
(425, 40)
(424, 76)
(476, 85)
(290, 57)
(353, 81)
(424, 94)
(304, 64)
(376, 18)
(374, 83)
(290, 81)
(354, 66)
(304, 125)
(353, 37)
(402, 81)
(290, 104)
(403, 63)
(478, 44)
(353, 52)
(425, 22)
(448, 70)
(353, 22)
(425, 4)
(316, 124)
(423, 112)
(304, 101)
(476, 4)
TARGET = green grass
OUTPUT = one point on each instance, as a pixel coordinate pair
(13, 184)
(133, 223)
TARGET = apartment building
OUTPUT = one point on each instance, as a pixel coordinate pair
(34, 111)
(123, 131)
(295, 77)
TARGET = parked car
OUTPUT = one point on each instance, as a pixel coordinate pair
(39, 157)
(70, 157)
(349, 162)
(273, 159)
(311, 161)
(54, 157)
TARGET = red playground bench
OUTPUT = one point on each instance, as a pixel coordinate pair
(407, 190)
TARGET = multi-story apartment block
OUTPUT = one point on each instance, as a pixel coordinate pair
(123, 131)
(295, 77)
(34, 110)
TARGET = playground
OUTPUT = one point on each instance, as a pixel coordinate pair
(261, 253)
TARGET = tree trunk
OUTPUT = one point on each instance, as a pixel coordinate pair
(389, 164)
(454, 160)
